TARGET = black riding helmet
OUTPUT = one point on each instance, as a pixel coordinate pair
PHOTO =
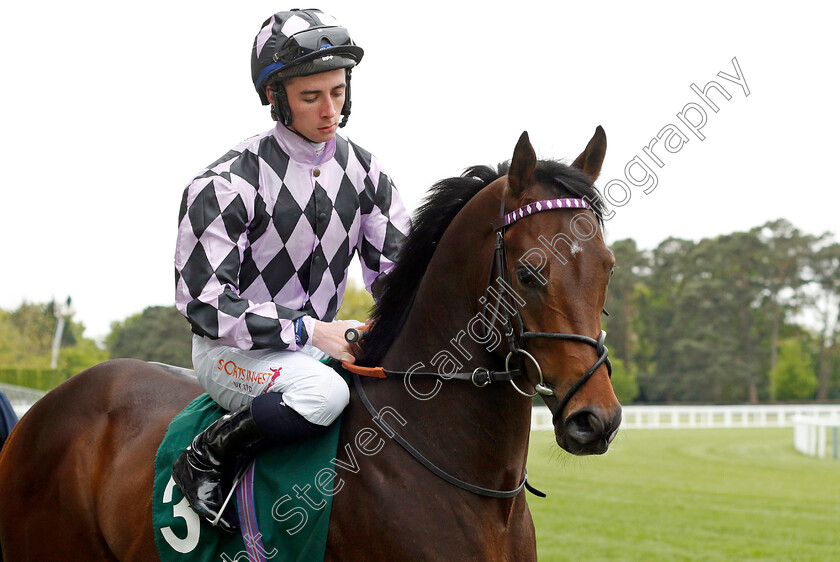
(300, 43)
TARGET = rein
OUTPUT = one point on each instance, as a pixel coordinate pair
(481, 376)
(472, 488)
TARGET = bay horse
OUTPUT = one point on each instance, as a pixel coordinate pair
(510, 302)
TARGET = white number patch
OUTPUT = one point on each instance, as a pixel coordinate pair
(190, 517)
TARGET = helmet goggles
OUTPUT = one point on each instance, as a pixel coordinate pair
(310, 44)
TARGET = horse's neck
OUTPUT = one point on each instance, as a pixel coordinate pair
(484, 430)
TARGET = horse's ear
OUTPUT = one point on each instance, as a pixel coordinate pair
(522, 166)
(592, 157)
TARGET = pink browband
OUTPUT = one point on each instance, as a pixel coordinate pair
(531, 208)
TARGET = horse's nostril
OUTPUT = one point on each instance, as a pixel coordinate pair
(585, 426)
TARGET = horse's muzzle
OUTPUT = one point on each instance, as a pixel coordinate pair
(589, 431)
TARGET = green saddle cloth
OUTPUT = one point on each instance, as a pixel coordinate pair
(293, 487)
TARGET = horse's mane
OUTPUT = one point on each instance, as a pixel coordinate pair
(445, 200)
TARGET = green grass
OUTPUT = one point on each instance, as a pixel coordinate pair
(694, 494)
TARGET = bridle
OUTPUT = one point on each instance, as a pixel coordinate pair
(517, 338)
(518, 335)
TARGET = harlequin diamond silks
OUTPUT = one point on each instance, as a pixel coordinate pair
(267, 232)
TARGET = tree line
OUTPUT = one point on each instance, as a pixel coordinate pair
(746, 317)
(158, 333)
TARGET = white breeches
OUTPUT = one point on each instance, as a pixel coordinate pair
(233, 377)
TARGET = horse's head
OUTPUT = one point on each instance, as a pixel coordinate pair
(558, 267)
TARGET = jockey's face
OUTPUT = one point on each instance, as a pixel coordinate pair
(316, 102)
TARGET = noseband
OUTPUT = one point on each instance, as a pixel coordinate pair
(517, 334)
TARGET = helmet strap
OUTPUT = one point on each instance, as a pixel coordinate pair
(345, 111)
(280, 109)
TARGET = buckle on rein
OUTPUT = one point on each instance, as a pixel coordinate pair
(484, 373)
(482, 376)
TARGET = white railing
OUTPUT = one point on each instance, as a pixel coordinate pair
(811, 433)
(20, 397)
(685, 417)
(814, 424)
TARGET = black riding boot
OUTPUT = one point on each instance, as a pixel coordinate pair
(203, 471)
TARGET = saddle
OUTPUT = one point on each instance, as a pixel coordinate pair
(283, 500)
(180, 372)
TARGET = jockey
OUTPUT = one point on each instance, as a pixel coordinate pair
(266, 234)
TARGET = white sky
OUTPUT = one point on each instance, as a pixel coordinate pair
(109, 109)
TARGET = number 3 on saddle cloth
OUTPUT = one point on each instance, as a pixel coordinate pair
(284, 498)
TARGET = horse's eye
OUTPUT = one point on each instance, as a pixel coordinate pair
(526, 277)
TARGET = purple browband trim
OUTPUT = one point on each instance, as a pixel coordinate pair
(531, 208)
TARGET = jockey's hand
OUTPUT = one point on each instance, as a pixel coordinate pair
(329, 338)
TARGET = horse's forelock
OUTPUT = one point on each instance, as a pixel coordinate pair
(569, 181)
